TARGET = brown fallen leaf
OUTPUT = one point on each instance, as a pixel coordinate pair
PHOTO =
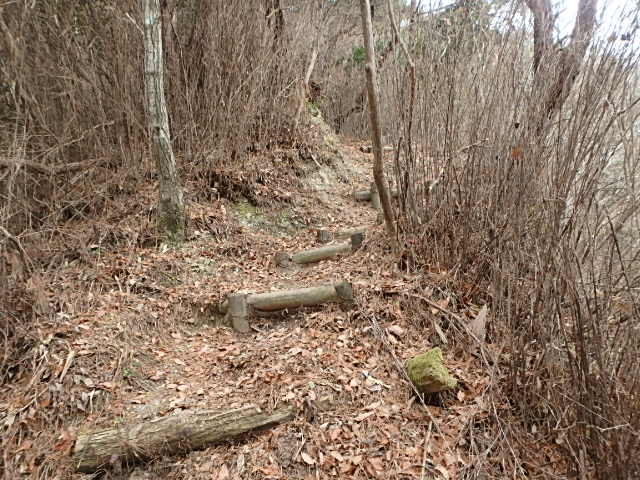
(375, 467)
(222, 473)
(307, 458)
(364, 416)
(270, 471)
(397, 330)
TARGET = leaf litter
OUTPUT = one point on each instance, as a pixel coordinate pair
(136, 334)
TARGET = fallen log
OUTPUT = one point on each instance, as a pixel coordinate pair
(369, 149)
(301, 297)
(325, 236)
(341, 292)
(283, 259)
(365, 195)
(169, 435)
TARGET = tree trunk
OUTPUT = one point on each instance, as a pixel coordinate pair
(556, 69)
(171, 214)
(374, 117)
(169, 435)
(275, 19)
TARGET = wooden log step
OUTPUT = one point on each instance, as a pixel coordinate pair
(325, 236)
(170, 435)
(239, 306)
(283, 259)
(301, 297)
(365, 195)
(369, 149)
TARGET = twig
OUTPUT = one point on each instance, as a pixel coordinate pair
(472, 145)
(44, 170)
(67, 364)
(459, 321)
(424, 453)
(16, 242)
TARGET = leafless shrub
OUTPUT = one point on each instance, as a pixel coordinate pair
(72, 79)
(546, 222)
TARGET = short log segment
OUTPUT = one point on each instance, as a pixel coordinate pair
(325, 236)
(169, 435)
(341, 292)
(365, 195)
(301, 297)
(323, 253)
(238, 312)
(369, 149)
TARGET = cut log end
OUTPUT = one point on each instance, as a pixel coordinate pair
(323, 237)
(344, 290)
(356, 241)
(238, 312)
(282, 259)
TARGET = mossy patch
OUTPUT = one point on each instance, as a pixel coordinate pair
(428, 373)
(281, 222)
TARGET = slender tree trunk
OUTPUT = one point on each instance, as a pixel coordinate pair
(374, 117)
(304, 87)
(275, 18)
(171, 214)
(556, 69)
(359, 101)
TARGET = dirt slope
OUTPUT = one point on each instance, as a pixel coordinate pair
(137, 335)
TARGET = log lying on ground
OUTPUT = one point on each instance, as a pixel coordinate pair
(169, 435)
(325, 236)
(283, 259)
(365, 195)
(301, 297)
(369, 149)
(341, 292)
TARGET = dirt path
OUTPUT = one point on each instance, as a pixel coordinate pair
(146, 341)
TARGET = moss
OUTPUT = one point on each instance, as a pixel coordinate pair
(245, 209)
(428, 373)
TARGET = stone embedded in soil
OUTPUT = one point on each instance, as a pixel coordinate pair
(428, 373)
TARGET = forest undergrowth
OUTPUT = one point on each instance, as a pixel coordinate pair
(132, 332)
(513, 157)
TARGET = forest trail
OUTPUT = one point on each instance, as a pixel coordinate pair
(143, 331)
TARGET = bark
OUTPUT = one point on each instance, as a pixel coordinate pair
(365, 195)
(171, 214)
(325, 236)
(169, 435)
(374, 117)
(322, 253)
(556, 69)
(301, 297)
(304, 88)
